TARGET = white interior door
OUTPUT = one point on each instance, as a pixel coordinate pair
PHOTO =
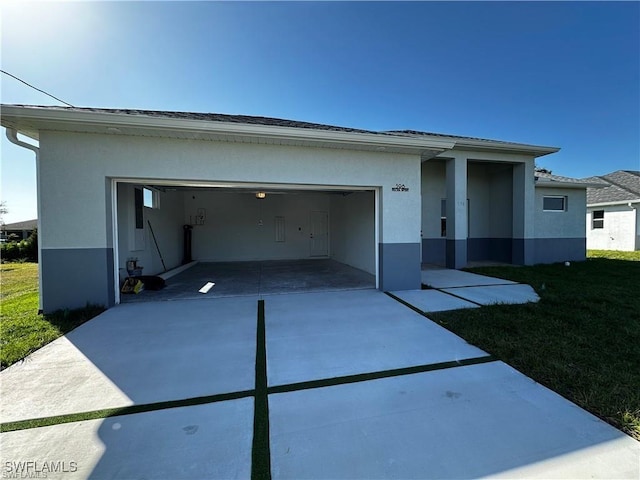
(319, 234)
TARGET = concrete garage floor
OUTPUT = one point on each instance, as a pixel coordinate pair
(352, 385)
(258, 278)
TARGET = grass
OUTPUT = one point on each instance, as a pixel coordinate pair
(581, 340)
(614, 255)
(22, 329)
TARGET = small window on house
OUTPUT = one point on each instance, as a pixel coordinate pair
(150, 198)
(138, 204)
(554, 204)
(597, 219)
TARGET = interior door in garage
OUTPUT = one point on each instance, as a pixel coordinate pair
(319, 235)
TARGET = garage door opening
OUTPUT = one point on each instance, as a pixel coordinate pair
(246, 240)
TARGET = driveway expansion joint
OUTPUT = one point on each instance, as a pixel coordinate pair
(364, 377)
(260, 453)
(421, 312)
(120, 411)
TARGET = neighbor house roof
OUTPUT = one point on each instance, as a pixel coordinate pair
(30, 119)
(24, 225)
(621, 186)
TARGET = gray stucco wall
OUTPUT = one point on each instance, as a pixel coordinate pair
(434, 250)
(567, 224)
(73, 277)
(493, 249)
(552, 250)
(399, 266)
(490, 190)
(560, 236)
(77, 215)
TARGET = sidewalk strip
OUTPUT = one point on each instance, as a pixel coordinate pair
(363, 377)
(260, 453)
(115, 412)
(466, 299)
(424, 314)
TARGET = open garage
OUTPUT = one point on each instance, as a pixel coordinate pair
(246, 240)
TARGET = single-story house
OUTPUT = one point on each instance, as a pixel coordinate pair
(17, 230)
(113, 183)
(613, 222)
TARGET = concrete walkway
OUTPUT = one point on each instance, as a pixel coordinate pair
(357, 386)
(449, 289)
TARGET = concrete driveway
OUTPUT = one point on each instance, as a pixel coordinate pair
(348, 384)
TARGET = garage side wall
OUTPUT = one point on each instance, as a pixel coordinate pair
(166, 221)
(560, 236)
(75, 168)
(353, 230)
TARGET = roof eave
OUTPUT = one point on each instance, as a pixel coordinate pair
(32, 116)
(535, 150)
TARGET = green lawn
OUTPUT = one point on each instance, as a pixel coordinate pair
(581, 340)
(22, 329)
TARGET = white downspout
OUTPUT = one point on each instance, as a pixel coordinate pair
(12, 136)
(636, 239)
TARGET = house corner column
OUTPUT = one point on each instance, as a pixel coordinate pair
(523, 247)
(399, 240)
(457, 212)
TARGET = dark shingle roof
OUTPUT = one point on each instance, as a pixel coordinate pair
(257, 120)
(212, 117)
(620, 186)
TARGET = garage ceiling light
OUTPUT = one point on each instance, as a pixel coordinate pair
(260, 195)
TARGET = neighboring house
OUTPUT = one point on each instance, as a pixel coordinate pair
(17, 231)
(613, 222)
(256, 188)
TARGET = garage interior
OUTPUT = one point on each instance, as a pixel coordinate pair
(247, 240)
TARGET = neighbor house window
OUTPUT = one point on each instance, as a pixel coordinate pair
(554, 204)
(597, 219)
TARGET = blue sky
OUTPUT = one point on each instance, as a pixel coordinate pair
(547, 73)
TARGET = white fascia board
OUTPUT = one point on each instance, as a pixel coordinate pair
(613, 204)
(122, 120)
(535, 150)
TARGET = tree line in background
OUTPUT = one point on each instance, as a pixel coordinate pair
(24, 250)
